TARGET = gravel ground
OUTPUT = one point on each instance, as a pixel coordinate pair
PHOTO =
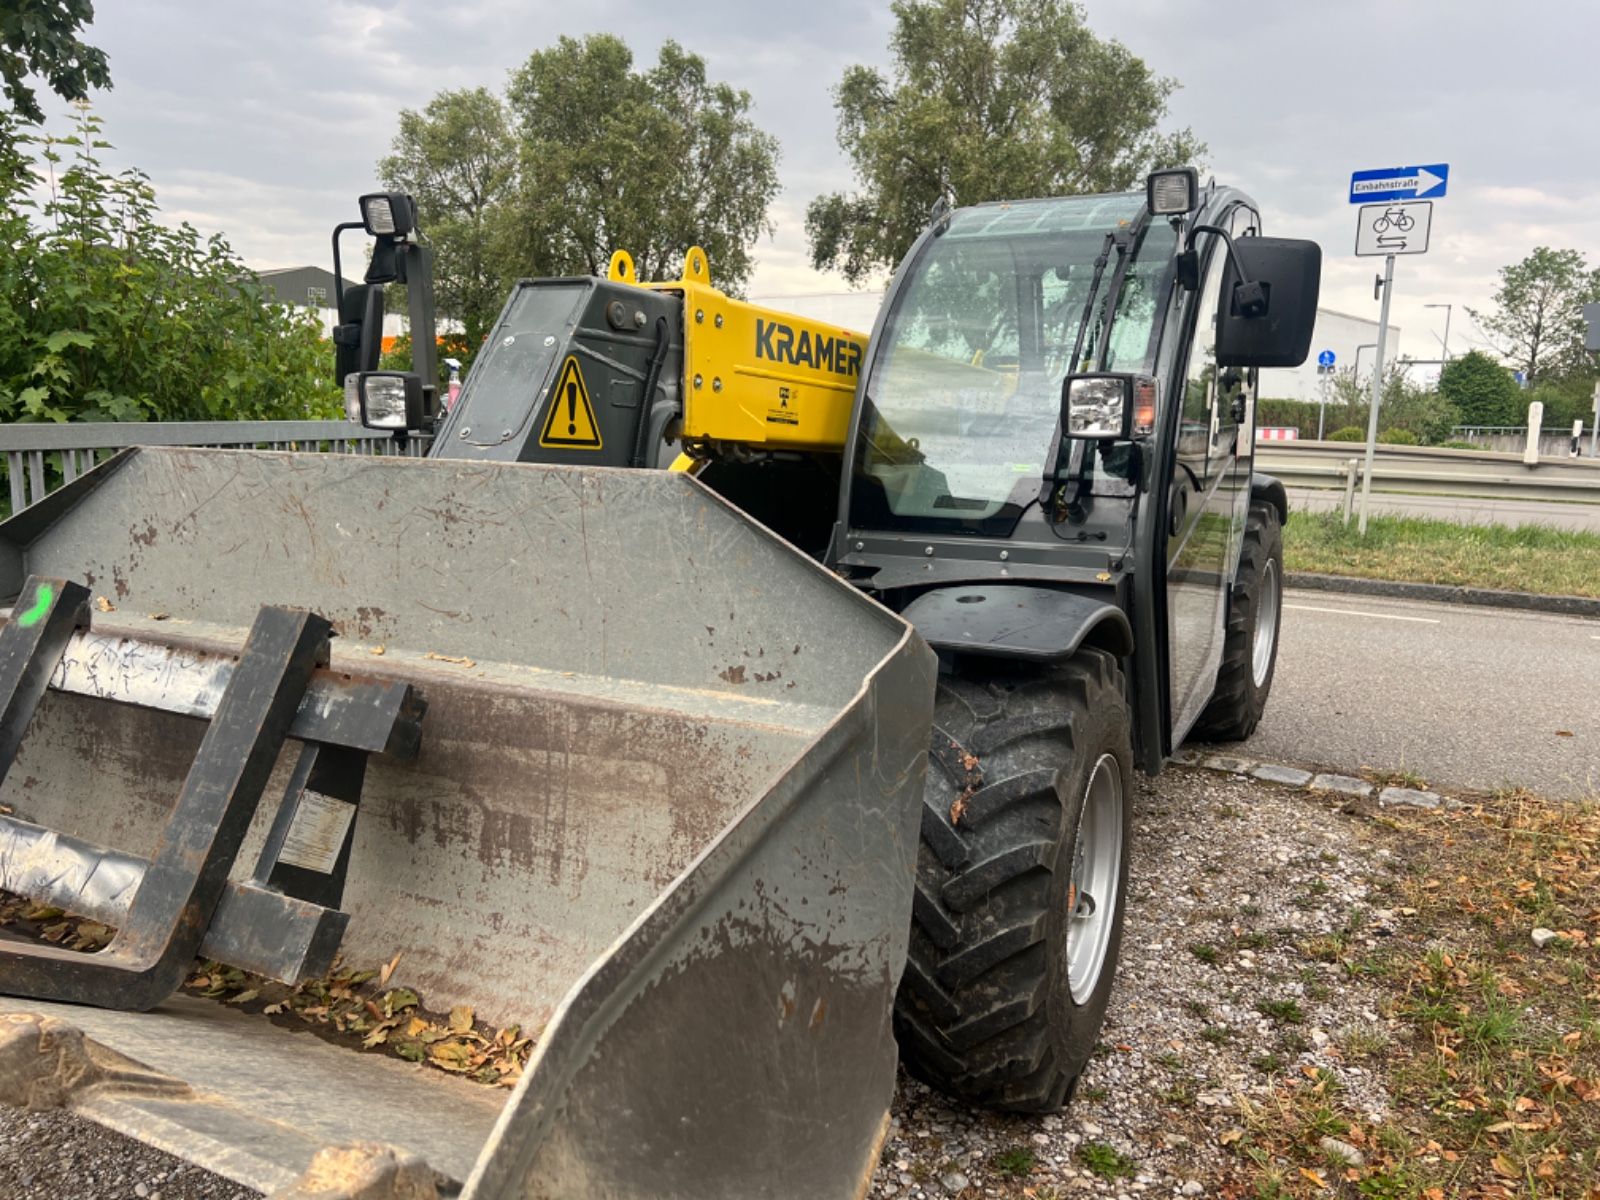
(57, 1156)
(1231, 878)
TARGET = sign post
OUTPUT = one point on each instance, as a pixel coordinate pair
(1591, 341)
(1387, 284)
(1325, 362)
(1395, 218)
(1594, 437)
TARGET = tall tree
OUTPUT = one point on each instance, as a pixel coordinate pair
(458, 157)
(1538, 312)
(994, 99)
(40, 38)
(651, 161)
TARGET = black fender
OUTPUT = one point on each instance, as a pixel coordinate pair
(1036, 624)
(1269, 490)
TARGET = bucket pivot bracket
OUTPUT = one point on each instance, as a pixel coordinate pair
(284, 920)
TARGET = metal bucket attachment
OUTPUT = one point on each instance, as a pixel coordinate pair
(587, 751)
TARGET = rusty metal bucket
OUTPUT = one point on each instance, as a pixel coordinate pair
(664, 810)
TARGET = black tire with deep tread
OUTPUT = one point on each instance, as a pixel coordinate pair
(1237, 703)
(984, 1012)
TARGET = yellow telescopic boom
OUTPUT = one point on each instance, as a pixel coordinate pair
(755, 376)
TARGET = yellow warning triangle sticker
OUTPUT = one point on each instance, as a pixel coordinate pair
(570, 423)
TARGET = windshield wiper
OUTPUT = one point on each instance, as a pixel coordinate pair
(1119, 241)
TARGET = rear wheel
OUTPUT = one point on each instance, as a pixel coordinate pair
(1021, 881)
(1250, 654)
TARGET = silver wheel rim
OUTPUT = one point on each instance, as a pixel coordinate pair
(1266, 632)
(1096, 874)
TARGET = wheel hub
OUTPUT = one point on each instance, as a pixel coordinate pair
(1265, 636)
(1096, 874)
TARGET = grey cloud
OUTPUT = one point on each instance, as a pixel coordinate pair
(265, 122)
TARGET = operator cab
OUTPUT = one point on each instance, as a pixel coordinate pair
(1059, 394)
(963, 395)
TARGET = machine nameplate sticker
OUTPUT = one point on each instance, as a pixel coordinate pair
(316, 835)
(787, 410)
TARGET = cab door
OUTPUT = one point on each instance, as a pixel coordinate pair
(1206, 506)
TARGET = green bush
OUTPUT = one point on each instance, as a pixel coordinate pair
(108, 314)
(1564, 402)
(1399, 437)
(1425, 415)
(1459, 446)
(1350, 433)
(1483, 391)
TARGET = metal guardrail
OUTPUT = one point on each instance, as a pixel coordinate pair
(32, 449)
(1430, 471)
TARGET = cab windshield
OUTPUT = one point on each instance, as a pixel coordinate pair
(963, 397)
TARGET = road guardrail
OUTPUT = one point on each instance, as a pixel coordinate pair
(1430, 471)
(41, 456)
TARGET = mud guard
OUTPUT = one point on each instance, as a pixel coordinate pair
(1037, 624)
(1269, 489)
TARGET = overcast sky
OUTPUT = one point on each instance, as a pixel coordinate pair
(265, 121)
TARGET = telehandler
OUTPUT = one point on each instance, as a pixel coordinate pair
(588, 748)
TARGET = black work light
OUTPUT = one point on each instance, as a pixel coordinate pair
(1172, 193)
(388, 214)
(386, 399)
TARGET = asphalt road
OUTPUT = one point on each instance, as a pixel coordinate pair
(1464, 697)
(1465, 510)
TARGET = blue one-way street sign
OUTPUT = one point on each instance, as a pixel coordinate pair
(1399, 183)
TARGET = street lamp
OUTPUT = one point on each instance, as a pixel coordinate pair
(1356, 368)
(1444, 342)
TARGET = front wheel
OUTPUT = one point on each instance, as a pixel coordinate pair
(1250, 653)
(1022, 880)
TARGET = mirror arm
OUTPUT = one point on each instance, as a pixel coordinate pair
(1251, 296)
(1227, 241)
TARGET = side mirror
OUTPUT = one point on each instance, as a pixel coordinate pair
(358, 338)
(1267, 320)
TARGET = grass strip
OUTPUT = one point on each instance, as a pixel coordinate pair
(1526, 558)
(1492, 1042)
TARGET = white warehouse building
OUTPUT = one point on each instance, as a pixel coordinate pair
(1353, 341)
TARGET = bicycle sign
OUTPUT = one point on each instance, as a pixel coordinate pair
(1398, 228)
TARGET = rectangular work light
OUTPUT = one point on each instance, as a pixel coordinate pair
(1108, 406)
(388, 214)
(1172, 193)
(390, 399)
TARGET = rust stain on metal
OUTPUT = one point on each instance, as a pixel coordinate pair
(733, 674)
(369, 618)
(864, 1183)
